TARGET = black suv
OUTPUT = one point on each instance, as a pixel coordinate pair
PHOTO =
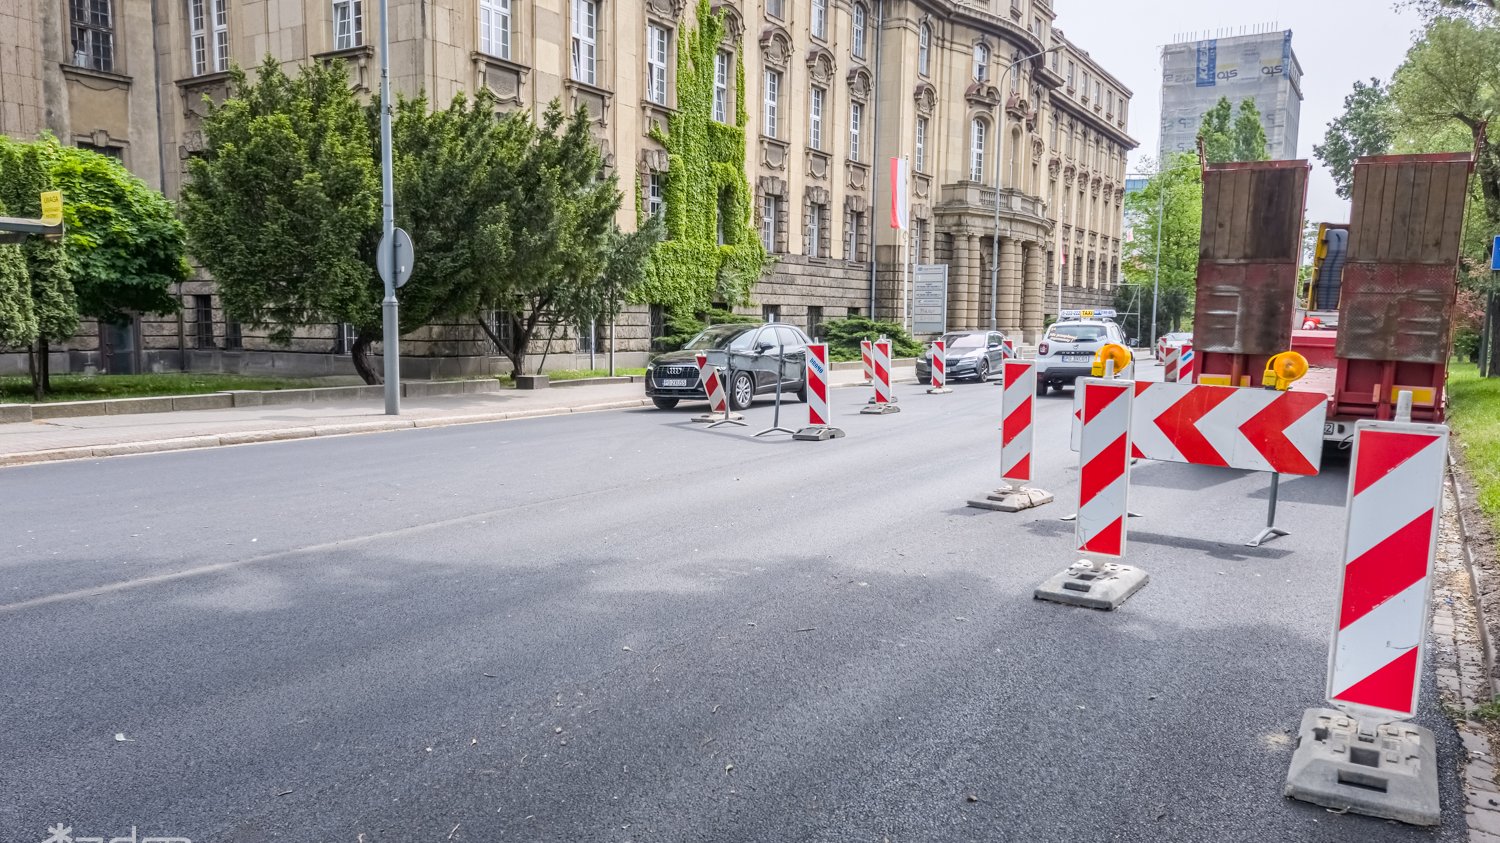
(752, 354)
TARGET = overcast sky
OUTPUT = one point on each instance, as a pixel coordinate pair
(1336, 41)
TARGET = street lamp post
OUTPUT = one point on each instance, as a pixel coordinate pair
(999, 163)
(389, 308)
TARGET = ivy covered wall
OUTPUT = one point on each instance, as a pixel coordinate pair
(705, 179)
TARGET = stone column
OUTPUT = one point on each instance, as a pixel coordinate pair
(971, 284)
(1031, 295)
(958, 280)
(1010, 285)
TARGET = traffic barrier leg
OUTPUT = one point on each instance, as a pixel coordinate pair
(818, 427)
(1017, 436)
(718, 401)
(1360, 756)
(939, 368)
(1103, 504)
(884, 401)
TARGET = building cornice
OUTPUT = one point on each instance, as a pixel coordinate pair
(1111, 128)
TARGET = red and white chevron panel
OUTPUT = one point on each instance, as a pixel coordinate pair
(1104, 462)
(1017, 433)
(817, 384)
(1395, 498)
(939, 363)
(882, 369)
(1187, 364)
(867, 360)
(712, 386)
(1253, 429)
(1169, 365)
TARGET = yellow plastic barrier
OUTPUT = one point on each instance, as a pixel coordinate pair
(1284, 369)
(1112, 352)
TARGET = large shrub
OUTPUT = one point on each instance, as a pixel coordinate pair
(843, 337)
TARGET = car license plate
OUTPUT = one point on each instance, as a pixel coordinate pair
(671, 382)
(1078, 358)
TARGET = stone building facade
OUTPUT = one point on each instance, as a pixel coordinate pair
(833, 89)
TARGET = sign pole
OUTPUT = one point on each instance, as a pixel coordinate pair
(390, 309)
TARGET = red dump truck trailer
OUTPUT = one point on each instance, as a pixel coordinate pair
(1393, 296)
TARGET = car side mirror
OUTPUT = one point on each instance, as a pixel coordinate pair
(765, 346)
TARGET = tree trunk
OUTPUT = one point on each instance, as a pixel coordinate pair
(510, 353)
(44, 361)
(360, 354)
(38, 386)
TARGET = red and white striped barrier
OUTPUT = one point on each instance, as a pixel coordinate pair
(1169, 365)
(819, 427)
(718, 401)
(1187, 364)
(1225, 426)
(1017, 433)
(1103, 502)
(1010, 347)
(939, 359)
(1104, 460)
(1395, 497)
(867, 360)
(884, 402)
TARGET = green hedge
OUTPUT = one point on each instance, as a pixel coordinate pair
(843, 337)
(682, 326)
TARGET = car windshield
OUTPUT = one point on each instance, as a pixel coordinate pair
(719, 336)
(1075, 333)
(952, 341)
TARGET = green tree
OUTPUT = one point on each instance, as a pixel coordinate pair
(1366, 127)
(1165, 218)
(1249, 134)
(1216, 132)
(283, 205)
(18, 328)
(49, 271)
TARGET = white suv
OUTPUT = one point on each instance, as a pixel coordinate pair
(1067, 352)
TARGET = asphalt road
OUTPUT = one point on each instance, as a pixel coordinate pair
(625, 627)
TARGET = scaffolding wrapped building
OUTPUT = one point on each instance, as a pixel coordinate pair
(1260, 66)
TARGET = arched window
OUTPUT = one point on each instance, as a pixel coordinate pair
(924, 49)
(981, 62)
(858, 39)
(978, 134)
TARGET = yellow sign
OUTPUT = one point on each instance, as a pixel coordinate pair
(1086, 314)
(52, 207)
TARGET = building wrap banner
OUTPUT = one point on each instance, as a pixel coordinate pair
(1208, 63)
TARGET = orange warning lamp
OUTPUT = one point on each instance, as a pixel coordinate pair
(1115, 352)
(1283, 370)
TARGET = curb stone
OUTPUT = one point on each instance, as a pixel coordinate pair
(288, 434)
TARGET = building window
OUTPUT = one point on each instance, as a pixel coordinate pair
(976, 148)
(93, 35)
(1055, 59)
(203, 321)
(348, 24)
(494, 28)
(770, 216)
(920, 159)
(924, 50)
(721, 86)
(814, 320)
(773, 103)
(656, 64)
(820, 18)
(209, 40)
(856, 118)
(817, 219)
(815, 118)
(586, 41)
(1072, 71)
(234, 335)
(1054, 134)
(656, 202)
(724, 213)
(853, 236)
(588, 337)
(981, 62)
(858, 39)
(115, 152)
(918, 237)
(1098, 97)
(776, 8)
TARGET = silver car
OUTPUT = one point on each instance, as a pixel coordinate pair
(968, 354)
(1067, 352)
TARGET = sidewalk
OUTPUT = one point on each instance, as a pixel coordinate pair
(88, 437)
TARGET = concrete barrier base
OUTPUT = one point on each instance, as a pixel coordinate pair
(818, 433)
(1012, 500)
(932, 390)
(1081, 584)
(710, 418)
(1387, 771)
(879, 409)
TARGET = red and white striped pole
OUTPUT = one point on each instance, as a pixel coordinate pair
(884, 400)
(939, 368)
(1187, 364)
(1355, 758)
(1169, 365)
(819, 428)
(713, 389)
(867, 360)
(1017, 436)
(1103, 502)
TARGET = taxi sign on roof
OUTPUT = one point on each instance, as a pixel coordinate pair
(1096, 313)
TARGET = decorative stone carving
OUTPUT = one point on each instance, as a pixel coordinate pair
(856, 204)
(1119, 195)
(1016, 106)
(859, 176)
(818, 195)
(772, 154)
(775, 46)
(771, 186)
(922, 186)
(926, 97)
(859, 83)
(817, 165)
(1068, 173)
(1054, 166)
(820, 65)
(1036, 148)
(671, 9)
(982, 94)
(654, 161)
(734, 24)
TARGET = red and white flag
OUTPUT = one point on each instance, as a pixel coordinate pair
(900, 196)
